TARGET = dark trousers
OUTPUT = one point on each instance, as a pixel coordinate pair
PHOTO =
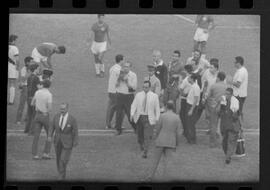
(190, 124)
(200, 109)
(229, 143)
(241, 105)
(144, 132)
(123, 102)
(40, 121)
(171, 93)
(183, 115)
(22, 103)
(213, 126)
(30, 116)
(62, 158)
(111, 108)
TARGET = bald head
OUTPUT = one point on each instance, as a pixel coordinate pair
(156, 55)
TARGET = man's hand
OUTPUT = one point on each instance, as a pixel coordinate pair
(131, 118)
(75, 144)
(49, 139)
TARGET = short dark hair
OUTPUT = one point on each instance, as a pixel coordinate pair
(147, 82)
(100, 15)
(229, 89)
(214, 62)
(12, 38)
(221, 75)
(28, 59)
(170, 105)
(62, 49)
(188, 68)
(177, 52)
(33, 67)
(119, 58)
(46, 83)
(194, 76)
(239, 59)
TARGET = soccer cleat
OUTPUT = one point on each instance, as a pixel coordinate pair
(36, 157)
(228, 161)
(46, 156)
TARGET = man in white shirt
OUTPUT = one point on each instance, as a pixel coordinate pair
(24, 73)
(145, 113)
(13, 65)
(125, 88)
(113, 76)
(193, 99)
(184, 88)
(42, 101)
(240, 83)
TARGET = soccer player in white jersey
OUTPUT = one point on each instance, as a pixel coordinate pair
(100, 36)
(13, 65)
(204, 24)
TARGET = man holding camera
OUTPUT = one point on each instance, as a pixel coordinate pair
(126, 86)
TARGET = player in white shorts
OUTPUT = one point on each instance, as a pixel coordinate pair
(42, 54)
(13, 65)
(204, 24)
(100, 36)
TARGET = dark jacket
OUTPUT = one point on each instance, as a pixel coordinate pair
(32, 82)
(68, 136)
(162, 74)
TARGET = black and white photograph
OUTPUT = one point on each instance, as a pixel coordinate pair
(133, 98)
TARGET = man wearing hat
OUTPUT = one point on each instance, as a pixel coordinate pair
(32, 86)
(155, 82)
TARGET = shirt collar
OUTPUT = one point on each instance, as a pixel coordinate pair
(160, 62)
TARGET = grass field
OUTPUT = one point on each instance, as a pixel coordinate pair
(135, 36)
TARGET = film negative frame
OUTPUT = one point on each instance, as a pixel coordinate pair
(256, 7)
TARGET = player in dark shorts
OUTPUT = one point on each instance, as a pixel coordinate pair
(100, 36)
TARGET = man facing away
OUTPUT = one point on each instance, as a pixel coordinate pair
(230, 125)
(216, 91)
(33, 83)
(100, 36)
(24, 73)
(145, 113)
(42, 54)
(240, 83)
(113, 76)
(204, 24)
(125, 88)
(13, 65)
(65, 131)
(42, 101)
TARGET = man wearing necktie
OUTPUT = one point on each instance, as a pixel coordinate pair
(65, 138)
(145, 112)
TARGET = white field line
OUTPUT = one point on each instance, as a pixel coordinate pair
(93, 132)
(219, 26)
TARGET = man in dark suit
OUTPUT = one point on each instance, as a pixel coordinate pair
(65, 138)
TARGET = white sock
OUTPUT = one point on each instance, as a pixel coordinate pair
(11, 94)
(97, 67)
(102, 67)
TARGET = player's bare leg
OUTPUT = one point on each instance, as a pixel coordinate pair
(203, 49)
(97, 64)
(102, 66)
(11, 84)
